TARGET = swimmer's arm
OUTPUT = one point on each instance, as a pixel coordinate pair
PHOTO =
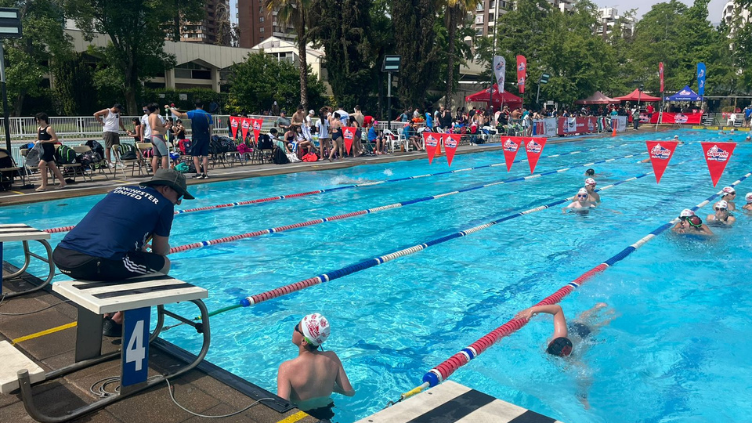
(560, 322)
(283, 383)
(160, 245)
(342, 383)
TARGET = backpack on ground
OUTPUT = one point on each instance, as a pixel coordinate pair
(227, 144)
(96, 147)
(215, 146)
(185, 146)
(265, 142)
(128, 152)
(65, 155)
(279, 156)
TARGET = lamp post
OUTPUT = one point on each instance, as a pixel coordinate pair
(10, 27)
(391, 64)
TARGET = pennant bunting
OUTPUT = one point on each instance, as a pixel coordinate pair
(717, 156)
(431, 141)
(451, 141)
(245, 124)
(510, 145)
(256, 125)
(234, 122)
(660, 153)
(348, 133)
(534, 148)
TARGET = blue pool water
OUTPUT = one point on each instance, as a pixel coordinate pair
(676, 352)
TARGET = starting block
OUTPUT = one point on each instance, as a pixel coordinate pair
(25, 233)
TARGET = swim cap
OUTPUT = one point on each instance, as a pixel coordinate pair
(582, 191)
(695, 221)
(676, 136)
(728, 190)
(686, 213)
(315, 328)
(560, 347)
(748, 197)
(590, 172)
(721, 204)
(589, 181)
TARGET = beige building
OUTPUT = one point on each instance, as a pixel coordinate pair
(215, 28)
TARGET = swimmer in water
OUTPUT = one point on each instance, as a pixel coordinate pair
(749, 138)
(729, 195)
(309, 379)
(590, 173)
(590, 187)
(748, 206)
(721, 217)
(581, 204)
(691, 225)
(568, 336)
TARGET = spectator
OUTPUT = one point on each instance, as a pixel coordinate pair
(377, 139)
(136, 133)
(275, 109)
(337, 140)
(298, 118)
(202, 126)
(110, 126)
(404, 116)
(309, 380)
(159, 145)
(282, 122)
(47, 137)
(358, 116)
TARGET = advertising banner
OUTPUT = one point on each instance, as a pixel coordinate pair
(451, 141)
(245, 123)
(660, 74)
(701, 75)
(256, 125)
(511, 145)
(500, 70)
(717, 155)
(680, 118)
(348, 133)
(234, 123)
(578, 125)
(521, 73)
(660, 154)
(431, 141)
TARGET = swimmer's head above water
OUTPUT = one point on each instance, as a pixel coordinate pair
(560, 347)
(590, 172)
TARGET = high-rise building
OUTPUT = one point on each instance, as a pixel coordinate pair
(214, 29)
(485, 15)
(608, 17)
(256, 24)
(731, 11)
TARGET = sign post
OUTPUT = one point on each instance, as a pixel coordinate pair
(543, 80)
(10, 27)
(391, 64)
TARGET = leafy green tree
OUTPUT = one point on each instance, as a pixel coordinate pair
(136, 32)
(295, 13)
(74, 92)
(414, 35)
(28, 58)
(261, 79)
(382, 43)
(342, 27)
(456, 12)
(182, 12)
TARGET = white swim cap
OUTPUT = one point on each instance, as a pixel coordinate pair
(721, 205)
(686, 213)
(315, 328)
(728, 190)
(589, 181)
(582, 191)
(748, 197)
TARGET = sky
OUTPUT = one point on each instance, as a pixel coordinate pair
(642, 6)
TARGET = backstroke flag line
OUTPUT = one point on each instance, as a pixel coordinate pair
(717, 155)
(521, 73)
(500, 70)
(660, 153)
(245, 124)
(348, 133)
(451, 141)
(431, 141)
(256, 125)
(234, 122)
(511, 145)
(534, 148)
(701, 75)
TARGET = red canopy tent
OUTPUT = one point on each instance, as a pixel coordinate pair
(597, 98)
(636, 95)
(506, 98)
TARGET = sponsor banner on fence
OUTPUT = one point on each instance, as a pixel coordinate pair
(660, 153)
(577, 125)
(621, 123)
(679, 118)
(717, 155)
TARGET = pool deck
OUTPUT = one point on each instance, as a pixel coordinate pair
(206, 390)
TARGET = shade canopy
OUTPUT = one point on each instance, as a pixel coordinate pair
(505, 98)
(597, 98)
(636, 95)
(686, 94)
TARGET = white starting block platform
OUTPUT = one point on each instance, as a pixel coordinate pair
(451, 402)
(13, 361)
(24, 233)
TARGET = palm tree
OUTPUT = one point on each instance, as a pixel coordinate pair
(456, 13)
(295, 13)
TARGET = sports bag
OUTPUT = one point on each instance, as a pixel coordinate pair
(65, 155)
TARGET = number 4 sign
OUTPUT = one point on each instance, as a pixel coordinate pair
(135, 357)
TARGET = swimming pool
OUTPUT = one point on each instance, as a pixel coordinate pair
(676, 352)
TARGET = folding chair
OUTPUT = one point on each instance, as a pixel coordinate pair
(9, 170)
(132, 163)
(142, 147)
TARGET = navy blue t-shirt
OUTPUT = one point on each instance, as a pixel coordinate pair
(200, 122)
(123, 221)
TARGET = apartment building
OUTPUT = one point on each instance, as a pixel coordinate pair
(256, 24)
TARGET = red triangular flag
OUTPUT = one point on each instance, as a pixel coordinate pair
(451, 141)
(431, 140)
(256, 125)
(245, 123)
(234, 121)
(717, 155)
(348, 133)
(511, 145)
(660, 153)
(534, 148)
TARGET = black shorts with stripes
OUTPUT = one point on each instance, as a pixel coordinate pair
(85, 267)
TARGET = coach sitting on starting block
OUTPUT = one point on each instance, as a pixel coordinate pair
(110, 243)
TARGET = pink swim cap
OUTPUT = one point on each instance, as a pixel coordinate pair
(589, 181)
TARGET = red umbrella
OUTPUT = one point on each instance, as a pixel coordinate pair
(636, 95)
(597, 98)
(506, 97)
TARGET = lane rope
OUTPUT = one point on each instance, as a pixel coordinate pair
(232, 238)
(345, 187)
(441, 372)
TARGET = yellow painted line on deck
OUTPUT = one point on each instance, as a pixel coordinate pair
(124, 182)
(300, 415)
(44, 332)
(17, 192)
